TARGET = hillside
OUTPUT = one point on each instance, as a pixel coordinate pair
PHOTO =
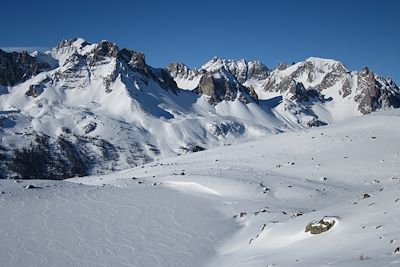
(239, 205)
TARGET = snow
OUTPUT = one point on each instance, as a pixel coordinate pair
(191, 187)
(237, 205)
(188, 84)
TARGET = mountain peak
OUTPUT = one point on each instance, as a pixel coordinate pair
(322, 60)
(324, 63)
(241, 69)
(213, 64)
(106, 49)
(74, 42)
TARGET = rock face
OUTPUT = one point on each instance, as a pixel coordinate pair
(19, 67)
(34, 90)
(297, 92)
(375, 92)
(222, 80)
(242, 70)
(134, 59)
(181, 71)
(221, 88)
(105, 49)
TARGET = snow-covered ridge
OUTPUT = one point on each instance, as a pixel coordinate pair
(242, 70)
(97, 107)
(354, 91)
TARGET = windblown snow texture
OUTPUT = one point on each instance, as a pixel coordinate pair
(260, 203)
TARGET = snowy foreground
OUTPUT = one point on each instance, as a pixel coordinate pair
(241, 205)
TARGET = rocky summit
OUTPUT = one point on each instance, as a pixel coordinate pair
(83, 108)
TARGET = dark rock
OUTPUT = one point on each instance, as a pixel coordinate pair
(313, 122)
(221, 88)
(252, 93)
(375, 93)
(190, 148)
(18, 67)
(181, 71)
(164, 79)
(134, 59)
(90, 127)
(105, 49)
(300, 94)
(66, 130)
(34, 90)
(320, 226)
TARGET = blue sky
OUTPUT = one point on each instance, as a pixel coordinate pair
(359, 33)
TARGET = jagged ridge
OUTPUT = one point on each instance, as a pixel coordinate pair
(90, 101)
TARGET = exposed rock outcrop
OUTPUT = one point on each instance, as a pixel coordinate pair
(181, 71)
(321, 226)
(242, 70)
(375, 93)
(18, 67)
(221, 88)
(297, 92)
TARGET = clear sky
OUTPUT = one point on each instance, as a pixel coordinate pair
(359, 33)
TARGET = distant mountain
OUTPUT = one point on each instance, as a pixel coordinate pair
(356, 91)
(85, 108)
(367, 90)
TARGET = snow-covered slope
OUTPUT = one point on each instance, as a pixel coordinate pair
(241, 205)
(84, 108)
(103, 108)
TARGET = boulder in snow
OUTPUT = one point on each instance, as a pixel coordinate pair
(323, 225)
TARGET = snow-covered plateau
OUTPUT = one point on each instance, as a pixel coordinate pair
(247, 204)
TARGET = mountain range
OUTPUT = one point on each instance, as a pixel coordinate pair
(82, 108)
